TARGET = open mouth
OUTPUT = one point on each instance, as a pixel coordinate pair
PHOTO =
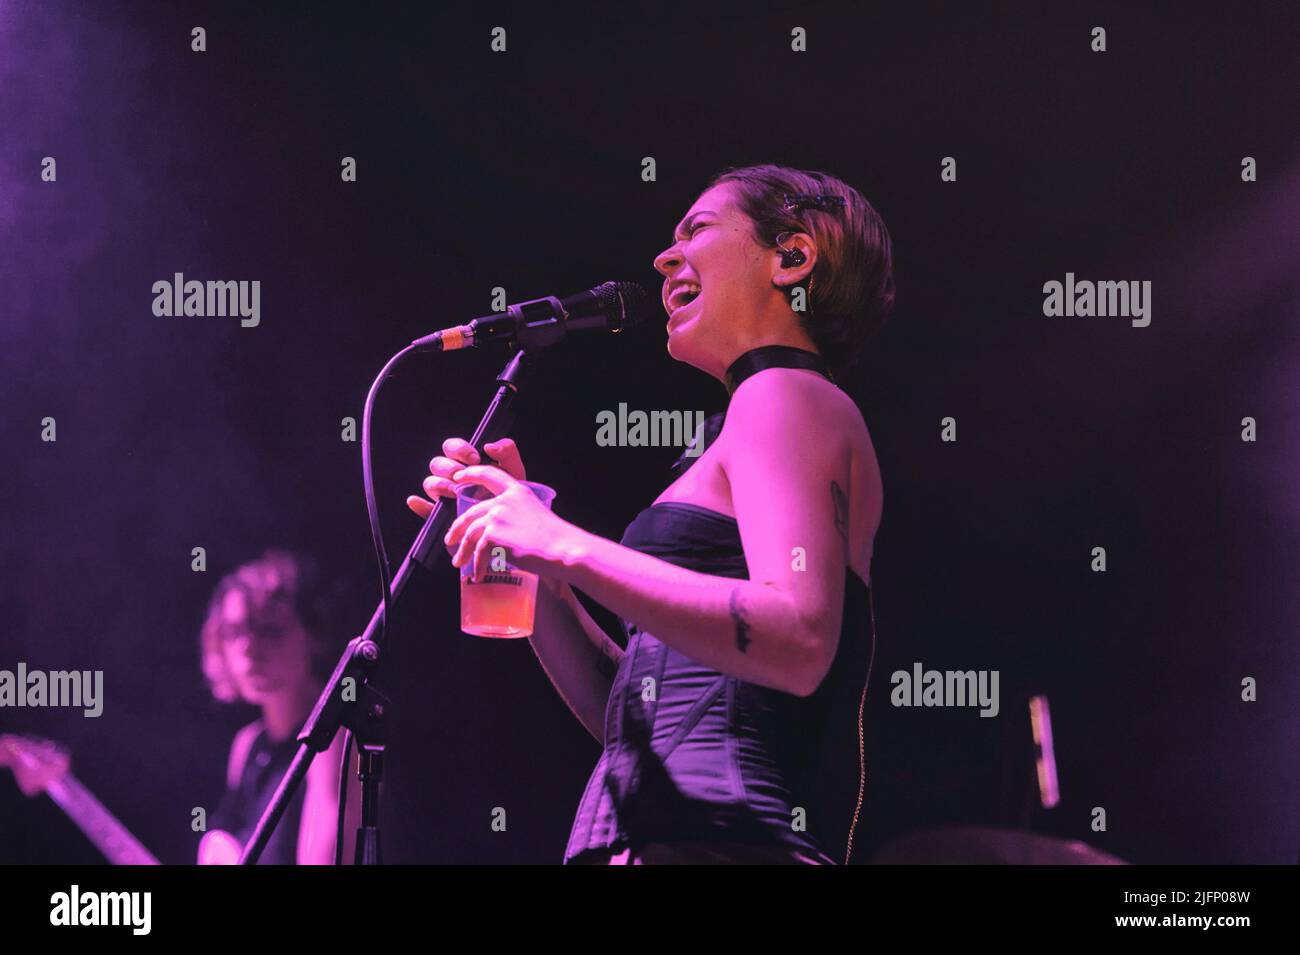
(682, 296)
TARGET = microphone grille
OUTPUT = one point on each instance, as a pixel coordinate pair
(626, 304)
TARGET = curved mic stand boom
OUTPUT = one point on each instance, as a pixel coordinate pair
(362, 708)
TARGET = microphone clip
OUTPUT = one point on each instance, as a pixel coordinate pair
(538, 323)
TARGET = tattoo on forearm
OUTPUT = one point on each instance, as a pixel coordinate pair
(840, 500)
(738, 617)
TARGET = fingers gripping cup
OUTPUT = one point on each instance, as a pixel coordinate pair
(503, 602)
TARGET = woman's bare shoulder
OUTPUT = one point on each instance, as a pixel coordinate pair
(776, 393)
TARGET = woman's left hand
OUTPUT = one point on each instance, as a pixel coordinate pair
(532, 535)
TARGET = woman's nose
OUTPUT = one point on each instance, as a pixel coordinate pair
(667, 260)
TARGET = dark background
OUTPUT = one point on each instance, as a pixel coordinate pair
(523, 170)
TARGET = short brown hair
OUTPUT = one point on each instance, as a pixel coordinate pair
(277, 577)
(852, 283)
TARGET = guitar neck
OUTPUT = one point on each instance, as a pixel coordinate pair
(100, 826)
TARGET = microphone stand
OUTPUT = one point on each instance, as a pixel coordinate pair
(348, 698)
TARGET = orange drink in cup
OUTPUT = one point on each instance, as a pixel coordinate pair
(503, 602)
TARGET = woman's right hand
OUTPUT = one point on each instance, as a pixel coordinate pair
(456, 454)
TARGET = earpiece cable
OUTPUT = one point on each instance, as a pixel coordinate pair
(862, 749)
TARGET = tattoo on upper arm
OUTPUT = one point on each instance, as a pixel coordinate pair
(840, 500)
(738, 612)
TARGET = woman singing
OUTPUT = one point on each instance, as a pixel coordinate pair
(743, 587)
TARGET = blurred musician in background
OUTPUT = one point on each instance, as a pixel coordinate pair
(267, 641)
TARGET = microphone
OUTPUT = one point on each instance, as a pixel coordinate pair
(609, 307)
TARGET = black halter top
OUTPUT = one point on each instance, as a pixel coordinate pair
(242, 807)
(692, 755)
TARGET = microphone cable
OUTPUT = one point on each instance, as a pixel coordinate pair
(385, 572)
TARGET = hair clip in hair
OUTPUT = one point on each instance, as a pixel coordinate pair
(794, 201)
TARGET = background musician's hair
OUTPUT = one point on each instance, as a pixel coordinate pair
(275, 578)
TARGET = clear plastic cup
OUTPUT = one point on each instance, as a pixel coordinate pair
(503, 602)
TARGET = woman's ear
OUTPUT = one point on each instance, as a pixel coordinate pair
(793, 259)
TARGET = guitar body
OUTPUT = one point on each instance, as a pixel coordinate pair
(219, 847)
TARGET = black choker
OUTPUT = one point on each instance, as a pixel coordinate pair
(750, 363)
(773, 356)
